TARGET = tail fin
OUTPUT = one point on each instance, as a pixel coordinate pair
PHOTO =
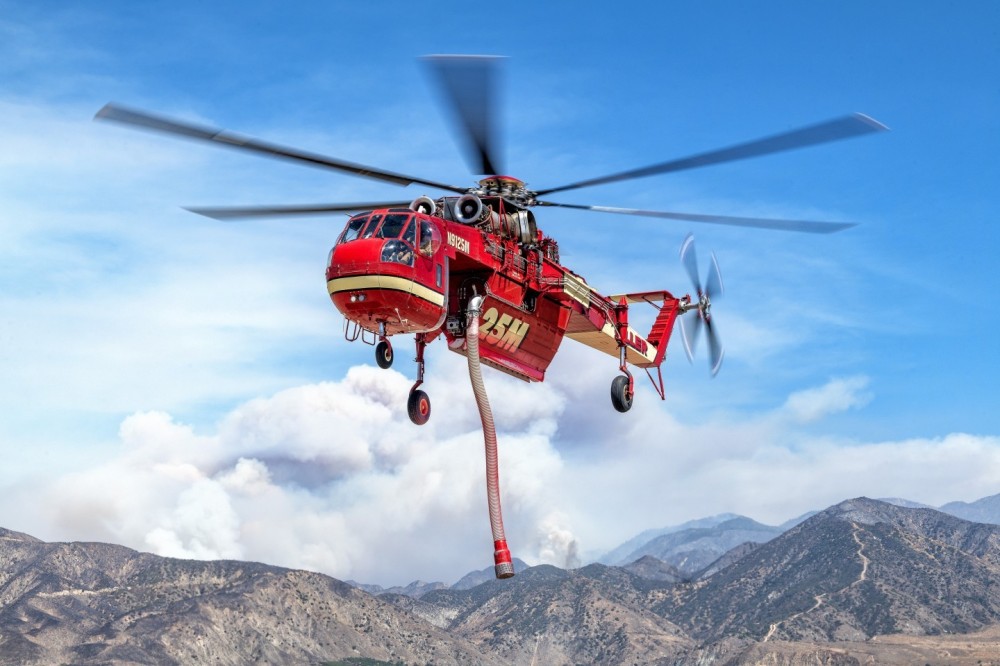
(663, 326)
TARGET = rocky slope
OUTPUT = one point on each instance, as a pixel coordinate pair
(650, 568)
(597, 614)
(89, 603)
(828, 590)
(862, 582)
(859, 569)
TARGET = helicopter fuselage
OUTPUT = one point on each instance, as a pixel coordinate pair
(400, 270)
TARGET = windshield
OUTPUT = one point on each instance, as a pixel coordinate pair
(369, 229)
(392, 225)
(354, 226)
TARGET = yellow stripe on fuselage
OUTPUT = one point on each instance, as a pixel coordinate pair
(393, 282)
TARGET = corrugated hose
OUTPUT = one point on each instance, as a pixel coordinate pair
(501, 554)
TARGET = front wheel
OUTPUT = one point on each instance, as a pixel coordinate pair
(621, 397)
(383, 355)
(418, 406)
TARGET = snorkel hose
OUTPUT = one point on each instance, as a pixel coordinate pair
(501, 554)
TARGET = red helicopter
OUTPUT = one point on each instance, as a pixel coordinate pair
(412, 266)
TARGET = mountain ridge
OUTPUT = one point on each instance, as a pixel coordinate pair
(858, 569)
(985, 510)
(862, 579)
(96, 603)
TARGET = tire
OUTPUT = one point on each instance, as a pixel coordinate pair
(418, 406)
(620, 396)
(383, 355)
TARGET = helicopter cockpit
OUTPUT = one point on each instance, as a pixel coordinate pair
(403, 231)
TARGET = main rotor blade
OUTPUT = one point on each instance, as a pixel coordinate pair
(469, 83)
(143, 120)
(845, 127)
(756, 222)
(236, 213)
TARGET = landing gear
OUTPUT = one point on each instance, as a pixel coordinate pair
(383, 354)
(418, 406)
(622, 387)
(383, 350)
(621, 394)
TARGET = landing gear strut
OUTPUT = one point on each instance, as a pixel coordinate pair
(418, 405)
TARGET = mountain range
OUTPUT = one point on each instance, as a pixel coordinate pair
(694, 545)
(864, 581)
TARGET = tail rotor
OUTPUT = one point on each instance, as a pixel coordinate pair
(713, 288)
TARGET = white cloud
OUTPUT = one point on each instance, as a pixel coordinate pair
(333, 477)
(203, 525)
(837, 395)
(248, 477)
(328, 476)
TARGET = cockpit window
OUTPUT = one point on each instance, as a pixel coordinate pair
(370, 228)
(393, 225)
(430, 238)
(354, 227)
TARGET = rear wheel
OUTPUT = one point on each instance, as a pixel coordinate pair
(418, 406)
(383, 355)
(621, 397)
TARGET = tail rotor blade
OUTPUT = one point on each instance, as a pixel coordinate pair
(713, 283)
(686, 339)
(715, 350)
(690, 261)
(696, 327)
(702, 308)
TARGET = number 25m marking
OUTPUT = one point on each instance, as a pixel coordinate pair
(502, 330)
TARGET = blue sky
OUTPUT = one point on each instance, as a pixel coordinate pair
(137, 338)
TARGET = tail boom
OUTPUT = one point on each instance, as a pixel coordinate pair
(604, 326)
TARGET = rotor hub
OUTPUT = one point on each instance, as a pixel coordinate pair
(508, 187)
(704, 305)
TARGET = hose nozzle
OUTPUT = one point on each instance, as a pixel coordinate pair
(501, 558)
